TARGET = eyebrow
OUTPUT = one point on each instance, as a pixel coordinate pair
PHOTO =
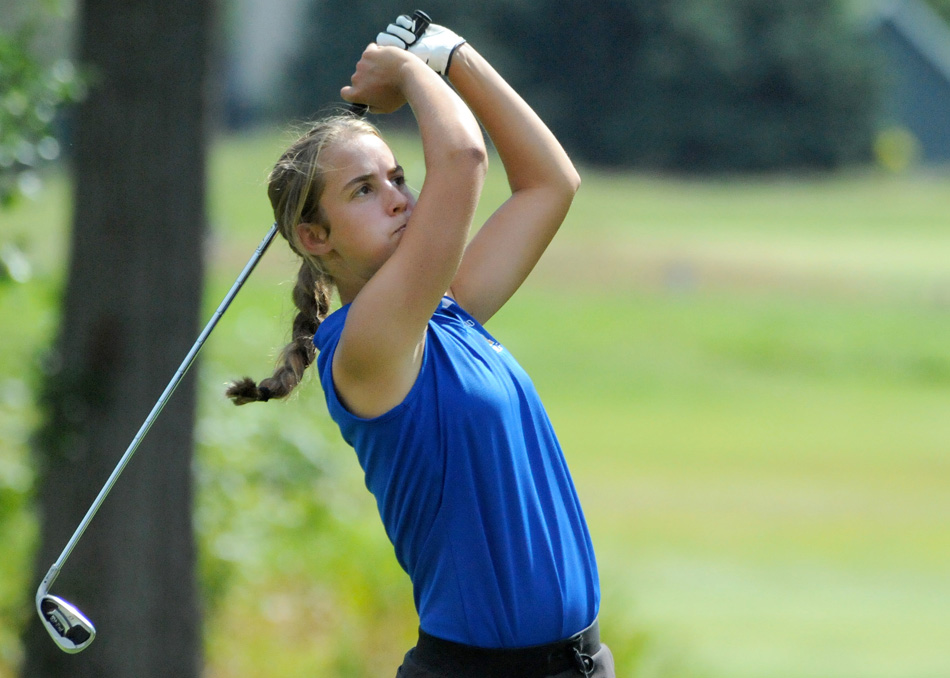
(355, 181)
(398, 169)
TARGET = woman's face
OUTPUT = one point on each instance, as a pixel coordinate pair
(366, 205)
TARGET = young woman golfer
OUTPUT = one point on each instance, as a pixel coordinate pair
(469, 478)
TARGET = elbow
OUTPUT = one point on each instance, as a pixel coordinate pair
(567, 186)
(471, 160)
(563, 181)
(477, 155)
(459, 152)
(572, 181)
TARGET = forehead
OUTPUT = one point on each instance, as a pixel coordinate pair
(354, 155)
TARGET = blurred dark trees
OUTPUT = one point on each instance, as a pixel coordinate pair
(129, 315)
(942, 8)
(690, 85)
(337, 32)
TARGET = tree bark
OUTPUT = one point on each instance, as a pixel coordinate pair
(130, 314)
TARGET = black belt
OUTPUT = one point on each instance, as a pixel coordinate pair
(537, 661)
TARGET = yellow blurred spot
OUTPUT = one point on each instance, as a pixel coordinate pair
(896, 149)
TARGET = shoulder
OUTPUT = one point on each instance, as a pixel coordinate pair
(328, 334)
(374, 384)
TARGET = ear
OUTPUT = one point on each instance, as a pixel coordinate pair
(314, 238)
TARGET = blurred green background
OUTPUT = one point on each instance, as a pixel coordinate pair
(750, 378)
(749, 373)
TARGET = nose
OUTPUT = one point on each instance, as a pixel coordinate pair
(400, 199)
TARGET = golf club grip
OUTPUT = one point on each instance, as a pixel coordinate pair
(421, 22)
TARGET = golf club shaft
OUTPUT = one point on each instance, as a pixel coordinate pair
(156, 410)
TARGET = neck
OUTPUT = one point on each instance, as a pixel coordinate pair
(348, 291)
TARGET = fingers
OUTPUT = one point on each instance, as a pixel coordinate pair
(377, 79)
(390, 40)
(350, 93)
(404, 34)
(400, 34)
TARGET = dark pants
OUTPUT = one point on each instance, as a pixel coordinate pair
(581, 656)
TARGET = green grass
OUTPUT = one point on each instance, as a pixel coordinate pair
(766, 482)
(750, 378)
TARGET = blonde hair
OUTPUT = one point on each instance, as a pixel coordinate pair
(295, 187)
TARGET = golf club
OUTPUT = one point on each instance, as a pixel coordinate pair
(68, 627)
(421, 22)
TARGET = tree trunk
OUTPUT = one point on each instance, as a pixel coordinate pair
(130, 314)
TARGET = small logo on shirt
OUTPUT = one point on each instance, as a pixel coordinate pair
(498, 348)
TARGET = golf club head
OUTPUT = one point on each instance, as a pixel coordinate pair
(68, 626)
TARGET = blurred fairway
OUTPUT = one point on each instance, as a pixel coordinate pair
(751, 381)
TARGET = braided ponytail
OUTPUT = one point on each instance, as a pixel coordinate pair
(294, 188)
(311, 295)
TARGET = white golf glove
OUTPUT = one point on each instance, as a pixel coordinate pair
(435, 47)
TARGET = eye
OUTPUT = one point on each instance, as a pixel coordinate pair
(399, 180)
(363, 189)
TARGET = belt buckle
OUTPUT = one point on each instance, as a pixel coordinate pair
(583, 662)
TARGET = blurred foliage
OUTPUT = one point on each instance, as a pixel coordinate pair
(942, 7)
(739, 85)
(23, 306)
(735, 85)
(31, 92)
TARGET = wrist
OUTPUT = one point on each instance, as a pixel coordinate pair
(401, 70)
(416, 79)
(459, 53)
(411, 70)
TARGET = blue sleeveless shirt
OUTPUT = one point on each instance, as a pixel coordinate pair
(474, 492)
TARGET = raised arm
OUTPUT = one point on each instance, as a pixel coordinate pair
(543, 183)
(380, 350)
